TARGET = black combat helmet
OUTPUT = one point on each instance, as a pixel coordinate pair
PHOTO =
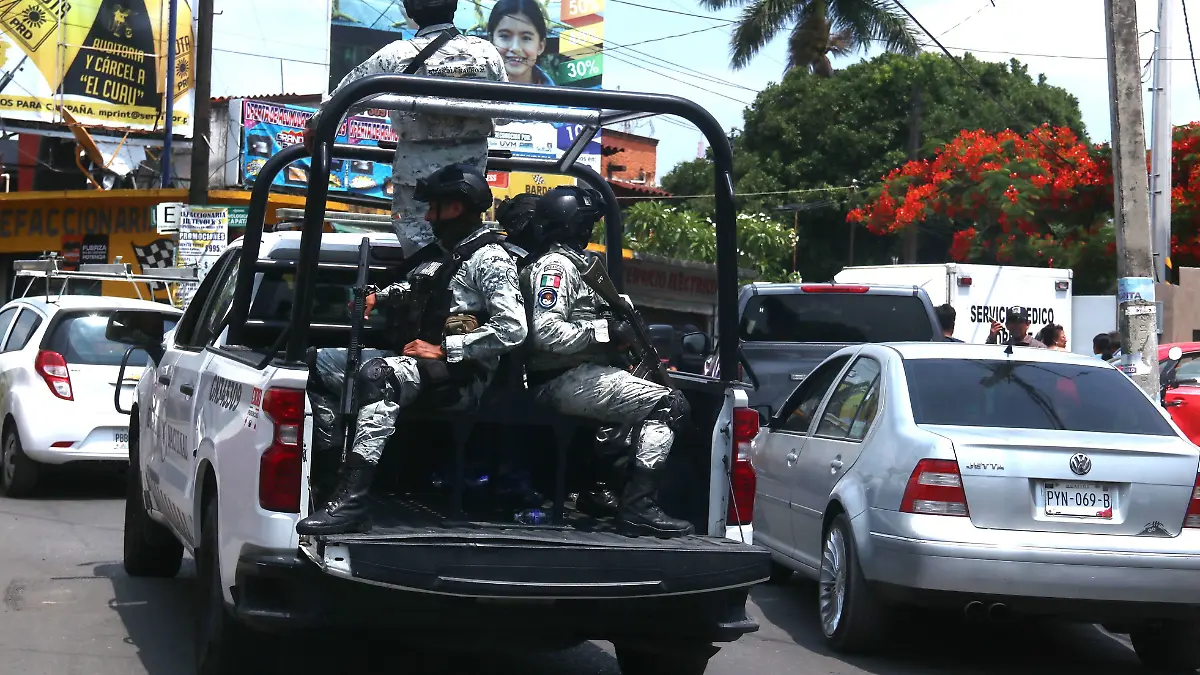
(417, 6)
(461, 182)
(568, 214)
(514, 215)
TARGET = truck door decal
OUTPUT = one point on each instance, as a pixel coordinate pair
(225, 393)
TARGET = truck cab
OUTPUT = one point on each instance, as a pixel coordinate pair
(223, 462)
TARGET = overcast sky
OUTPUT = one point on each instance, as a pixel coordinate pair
(1037, 32)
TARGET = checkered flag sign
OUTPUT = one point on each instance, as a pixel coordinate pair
(158, 254)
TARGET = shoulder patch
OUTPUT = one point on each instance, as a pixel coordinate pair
(547, 298)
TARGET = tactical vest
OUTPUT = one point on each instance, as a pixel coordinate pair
(431, 321)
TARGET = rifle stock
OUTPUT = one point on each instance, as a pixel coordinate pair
(354, 353)
(649, 365)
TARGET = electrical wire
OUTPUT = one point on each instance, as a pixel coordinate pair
(755, 194)
(1190, 50)
(988, 3)
(979, 84)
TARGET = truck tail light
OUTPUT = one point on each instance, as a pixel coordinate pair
(742, 480)
(53, 369)
(935, 488)
(1193, 512)
(280, 467)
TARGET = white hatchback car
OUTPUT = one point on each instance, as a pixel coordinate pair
(58, 376)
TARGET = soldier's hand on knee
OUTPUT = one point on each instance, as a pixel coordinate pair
(420, 349)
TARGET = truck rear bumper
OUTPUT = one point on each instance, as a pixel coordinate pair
(283, 591)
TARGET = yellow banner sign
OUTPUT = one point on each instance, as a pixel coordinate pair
(104, 60)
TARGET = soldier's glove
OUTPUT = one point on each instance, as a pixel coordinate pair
(621, 333)
(460, 324)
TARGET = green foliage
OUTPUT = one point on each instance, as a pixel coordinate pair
(809, 132)
(764, 244)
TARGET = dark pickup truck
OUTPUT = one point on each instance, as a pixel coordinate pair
(786, 330)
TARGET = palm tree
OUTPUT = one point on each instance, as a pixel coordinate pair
(819, 28)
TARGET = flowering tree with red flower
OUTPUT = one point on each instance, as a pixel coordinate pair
(1185, 196)
(1042, 199)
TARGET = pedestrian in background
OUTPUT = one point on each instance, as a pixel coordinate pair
(1114, 340)
(945, 316)
(1102, 346)
(1054, 337)
(1016, 321)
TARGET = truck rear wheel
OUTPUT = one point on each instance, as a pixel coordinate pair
(150, 550)
(635, 661)
(223, 645)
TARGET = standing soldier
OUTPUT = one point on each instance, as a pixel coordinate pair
(429, 142)
(571, 368)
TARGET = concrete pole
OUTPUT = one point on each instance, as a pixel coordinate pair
(198, 189)
(1131, 216)
(1160, 142)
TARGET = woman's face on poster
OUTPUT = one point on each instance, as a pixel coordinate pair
(519, 45)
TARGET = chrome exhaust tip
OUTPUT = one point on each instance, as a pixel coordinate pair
(975, 611)
(998, 611)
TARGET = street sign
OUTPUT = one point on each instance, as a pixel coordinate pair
(166, 217)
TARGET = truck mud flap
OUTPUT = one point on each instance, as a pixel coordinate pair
(532, 565)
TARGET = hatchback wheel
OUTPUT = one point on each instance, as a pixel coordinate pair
(851, 619)
(1169, 646)
(19, 472)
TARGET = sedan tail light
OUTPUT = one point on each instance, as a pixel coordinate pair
(1193, 512)
(935, 488)
(53, 369)
(742, 479)
(280, 467)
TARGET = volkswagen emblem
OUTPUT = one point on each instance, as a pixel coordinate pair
(1081, 464)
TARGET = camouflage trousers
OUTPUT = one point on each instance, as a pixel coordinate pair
(415, 161)
(612, 396)
(377, 419)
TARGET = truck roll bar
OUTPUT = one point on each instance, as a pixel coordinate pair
(590, 108)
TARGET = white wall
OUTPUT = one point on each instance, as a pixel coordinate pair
(265, 47)
(1091, 315)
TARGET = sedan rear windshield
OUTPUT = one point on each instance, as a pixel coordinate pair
(836, 317)
(79, 337)
(1028, 395)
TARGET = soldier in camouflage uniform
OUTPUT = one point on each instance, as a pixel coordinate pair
(471, 313)
(571, 367)
(429, 142)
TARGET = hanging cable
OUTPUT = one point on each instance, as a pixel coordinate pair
(1191, 52)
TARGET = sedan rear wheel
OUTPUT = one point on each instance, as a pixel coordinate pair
(19, 473)
(852, 620)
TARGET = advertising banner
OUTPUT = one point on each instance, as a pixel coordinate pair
(104, 60)
(203, 235)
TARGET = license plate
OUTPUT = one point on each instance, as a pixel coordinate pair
(121, 438)
(1079, 500)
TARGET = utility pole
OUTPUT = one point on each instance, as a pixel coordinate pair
(914, 153)
(198, 190)
(169, 91)
(1131, 216)
(1160, 143)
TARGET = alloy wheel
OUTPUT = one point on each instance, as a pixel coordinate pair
(832, 584)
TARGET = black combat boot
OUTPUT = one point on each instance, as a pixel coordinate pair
(639, 513)
(599, 502)
(346, 511)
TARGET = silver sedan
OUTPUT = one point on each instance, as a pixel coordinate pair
(1002, 482)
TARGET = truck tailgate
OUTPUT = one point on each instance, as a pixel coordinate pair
(499, 561)
(776, 368)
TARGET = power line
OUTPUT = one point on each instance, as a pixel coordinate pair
(755, 194)
(979, 84)
(672, 11)
(1190, 50)
(987, 3)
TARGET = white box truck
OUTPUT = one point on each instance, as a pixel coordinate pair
(981, 294)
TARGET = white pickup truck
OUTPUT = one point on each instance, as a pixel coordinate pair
(223, 458)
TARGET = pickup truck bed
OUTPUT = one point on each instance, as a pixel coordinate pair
(411, 547)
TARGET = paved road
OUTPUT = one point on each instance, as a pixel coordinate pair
(69, 609)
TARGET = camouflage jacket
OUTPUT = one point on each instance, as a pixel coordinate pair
(565, 315)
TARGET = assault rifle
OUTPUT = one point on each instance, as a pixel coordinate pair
(354, 353)
(649, 366)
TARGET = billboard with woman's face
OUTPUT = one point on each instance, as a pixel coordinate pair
(546, 42)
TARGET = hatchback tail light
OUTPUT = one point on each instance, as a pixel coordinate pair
(935, 488)
(742, 480)
(53, 369)
(1193, 512)
(280, 467)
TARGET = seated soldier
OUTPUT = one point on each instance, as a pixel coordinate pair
(571, 368)
(469, 312)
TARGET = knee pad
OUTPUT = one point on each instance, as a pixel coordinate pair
(374, 382)
(672, 409)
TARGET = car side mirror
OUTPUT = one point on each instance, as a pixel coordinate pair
(140, 329)
(697, 344)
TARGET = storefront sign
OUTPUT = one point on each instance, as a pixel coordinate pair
(679, 286)
(104, 60)
(203, 235)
